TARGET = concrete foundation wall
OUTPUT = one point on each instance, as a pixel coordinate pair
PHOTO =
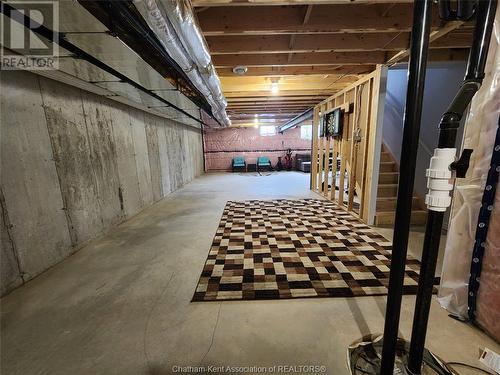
(75, 164)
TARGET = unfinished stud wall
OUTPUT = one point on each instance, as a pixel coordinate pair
(357, 151)
(74, 164)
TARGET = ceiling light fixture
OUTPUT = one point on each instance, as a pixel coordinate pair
(275, 87)
(240, 70)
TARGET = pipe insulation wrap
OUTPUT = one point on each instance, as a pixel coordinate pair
(174, 24)
(167, 35)
(181, 15)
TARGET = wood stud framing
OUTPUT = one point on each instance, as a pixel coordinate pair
(358, 155)
(324, 44)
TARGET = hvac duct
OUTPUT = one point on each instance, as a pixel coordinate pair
(181, 15)
(173, 22)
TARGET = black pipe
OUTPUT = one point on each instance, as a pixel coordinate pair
(425, 286)
(445, 11)
(464, 10)
(413, 111)
(485, 15)
(56, 37)
(481, 39)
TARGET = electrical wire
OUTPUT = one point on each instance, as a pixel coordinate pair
(451, 364)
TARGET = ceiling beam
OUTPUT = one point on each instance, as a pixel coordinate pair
(269, 105)
(326, 58)
(434, 36)
(343, 18)
(269, 116)
(263, 103)
(304, 59)
(263, 110)
(218, 3)
(296, 43)
(298, 70)
(276, 98)
(266, 93)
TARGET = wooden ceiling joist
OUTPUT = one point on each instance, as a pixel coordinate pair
(301, 59)
(310, 48)
(314, 98)
(258, 44)
(266, 93)
(322, 58)
(268, 104)
(271, 116)
(204, 4)
(343, 18)
(298, 70)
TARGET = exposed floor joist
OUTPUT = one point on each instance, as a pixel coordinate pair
(268, 71)
(262, 44)
(325, 19)
(205, 4)
(310, 49)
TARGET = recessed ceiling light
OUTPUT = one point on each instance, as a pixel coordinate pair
(275, 87)
(240, 70)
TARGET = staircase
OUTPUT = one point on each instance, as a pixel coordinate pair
(387, 194)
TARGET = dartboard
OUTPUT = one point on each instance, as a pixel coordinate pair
(330, 123)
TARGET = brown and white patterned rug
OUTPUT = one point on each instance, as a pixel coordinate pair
(296, 248)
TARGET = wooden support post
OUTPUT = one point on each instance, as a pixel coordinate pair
(334, 169)
(374, 144)
(314, 150)
(320, 164)
(327, 166)
(344, 148)
(366, 139)
(354, 150)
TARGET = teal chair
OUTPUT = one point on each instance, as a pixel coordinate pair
(239, 163)
(263, 162)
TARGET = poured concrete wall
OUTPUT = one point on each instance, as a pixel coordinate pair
(75, 164)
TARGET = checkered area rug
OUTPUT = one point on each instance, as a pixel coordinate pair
(296, 248)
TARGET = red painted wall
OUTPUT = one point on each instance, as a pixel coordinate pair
(224, 144)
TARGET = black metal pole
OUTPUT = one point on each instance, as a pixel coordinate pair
(447, 137)
(413, 111)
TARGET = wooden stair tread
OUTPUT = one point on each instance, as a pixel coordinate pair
(387, 193)
(382, 218)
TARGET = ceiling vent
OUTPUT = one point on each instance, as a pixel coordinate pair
(240, 70)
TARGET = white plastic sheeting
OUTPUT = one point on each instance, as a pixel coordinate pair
(173, 22)
(481, 127)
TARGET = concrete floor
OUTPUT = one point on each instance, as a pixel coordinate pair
(121, 305)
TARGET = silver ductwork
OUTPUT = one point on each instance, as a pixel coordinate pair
(174, 24)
